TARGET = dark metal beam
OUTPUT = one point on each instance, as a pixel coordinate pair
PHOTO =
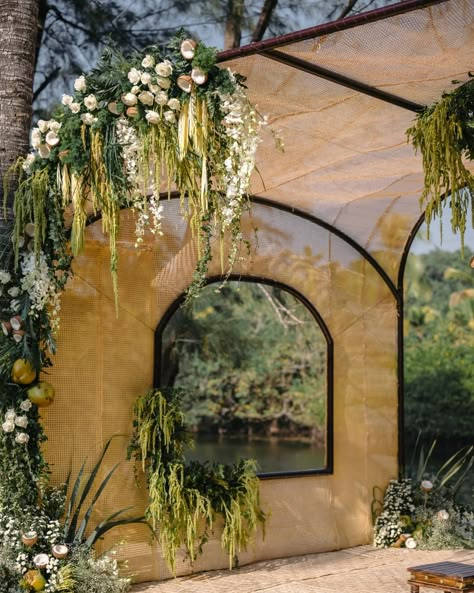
(340, 79)
(371, 16)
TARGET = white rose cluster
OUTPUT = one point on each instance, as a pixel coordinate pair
(13, 422)
(149, 88)
(45, 136)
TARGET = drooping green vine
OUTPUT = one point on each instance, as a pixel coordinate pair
(185, 499)
(444, 134)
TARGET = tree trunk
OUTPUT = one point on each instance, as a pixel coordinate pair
(233, 25)
(264, 19)
(18, 31)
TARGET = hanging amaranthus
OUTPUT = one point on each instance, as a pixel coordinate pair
(444, 134)
(185, 499)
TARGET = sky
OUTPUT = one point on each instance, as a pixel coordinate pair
(450, 241)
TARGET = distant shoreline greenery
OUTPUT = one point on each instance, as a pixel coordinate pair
(439, 346)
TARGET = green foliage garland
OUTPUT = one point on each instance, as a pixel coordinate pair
(184, 499)
(444, 134)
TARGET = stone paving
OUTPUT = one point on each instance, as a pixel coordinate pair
(355, 570)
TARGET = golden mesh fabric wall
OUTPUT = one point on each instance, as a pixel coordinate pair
(105, 360)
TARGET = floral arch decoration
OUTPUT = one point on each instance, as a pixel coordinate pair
(168, 119)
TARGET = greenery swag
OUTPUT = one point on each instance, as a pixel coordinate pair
(184, 499)
(444, 134)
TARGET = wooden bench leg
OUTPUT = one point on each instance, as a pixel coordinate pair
(414, 589)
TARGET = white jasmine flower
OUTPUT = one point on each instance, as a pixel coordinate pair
(14, 291)
(129, 99)
(90, 102)
(26, 405)
(75, 107)
(67, 100)
(10, 415)
(52, 139)
(164, 83)
(146, 98)
(80, 84)
(21, 421)
(174, 104)
(162, 98)
(145, 78)
(43, 125)
(44, 150)
(4, 277)
(170, 117)
(88, 118)
(134, 76)
(8, 426)
(164, 68)
(152, 117)
(148, 61)
(426, 485)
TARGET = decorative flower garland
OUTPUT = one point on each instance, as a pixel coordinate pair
(133, 125)
(444, 134)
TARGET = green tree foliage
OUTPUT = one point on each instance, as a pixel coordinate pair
(252, 359)
(439, 346)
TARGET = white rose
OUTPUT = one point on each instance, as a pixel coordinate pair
(26, 405)
(21, 421)
(5, 276)
(146, 98)
(80, 84)
(67, 99)
(170, 117)
(22, 438)
(164, 68)
(8, 426)
(52, 139)
(54, 125)
(14, 291)
(174, 104)
(129, 99)
(145, 78)
(75, 107)
(88, 118)
(148, 61)
(134, 76)
(10, 415)
(90, 102)
(135, 89)
(44, 150)
(164, 83)
(161, 98)
(152, 117)
(43, 126)
(154, 88)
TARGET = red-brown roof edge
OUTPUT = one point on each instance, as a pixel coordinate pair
(327, 28)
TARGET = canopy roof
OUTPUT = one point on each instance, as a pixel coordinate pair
(343, 95)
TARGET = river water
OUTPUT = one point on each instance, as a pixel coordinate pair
(272, 454)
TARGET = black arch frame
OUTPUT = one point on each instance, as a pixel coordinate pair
(157, 378)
